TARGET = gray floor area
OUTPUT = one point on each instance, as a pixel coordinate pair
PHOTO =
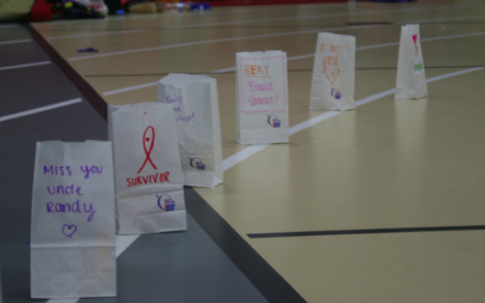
(173, 267)
(180, 267)
(18, 53)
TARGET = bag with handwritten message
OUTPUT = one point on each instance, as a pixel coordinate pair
(196, 108)
(333, 73)
(411, 80)
(73, 247)
(148, 174)
(262, 97)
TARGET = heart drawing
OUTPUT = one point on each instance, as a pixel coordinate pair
(69, 230)
(415, 39)
(333, 74)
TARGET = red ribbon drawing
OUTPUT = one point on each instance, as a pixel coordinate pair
(151, 141)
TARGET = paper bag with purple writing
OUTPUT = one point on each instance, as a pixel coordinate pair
(196, 109)
(73, 247)
(262, 97)
(411, 80)
(333, 73)
(148, 174)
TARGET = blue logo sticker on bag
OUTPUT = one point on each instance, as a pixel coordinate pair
(335, 92)
(274, 121)
(197, 163)
(165, 202)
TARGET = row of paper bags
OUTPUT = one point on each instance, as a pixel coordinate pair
(156, 148)
(159, 147)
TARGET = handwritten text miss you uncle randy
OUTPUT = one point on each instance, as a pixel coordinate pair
(71, 190)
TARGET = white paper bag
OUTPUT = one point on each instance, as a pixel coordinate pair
(148, 175)
(196, 108)
(411, 80)
(73, 221)
(333, 73)
(262, 97)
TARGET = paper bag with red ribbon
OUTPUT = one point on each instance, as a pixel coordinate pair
(73, 245)
(262, 97)
(333, 73)
(411, 79)
(196, 109)
(148, 174)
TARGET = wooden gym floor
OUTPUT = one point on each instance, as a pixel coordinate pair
(370, 172)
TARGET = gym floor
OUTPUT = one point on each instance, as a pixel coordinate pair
(377, 204)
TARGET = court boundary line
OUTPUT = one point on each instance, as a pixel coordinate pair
(364, 231)
(99, 34)
(229, 69)
(156, 48)
(15, 41)
(8, 26)
(256, 269)
(40, 109)
(275, 19)
(24, 65)
(163, 47)
(253, 149)
(289, 71)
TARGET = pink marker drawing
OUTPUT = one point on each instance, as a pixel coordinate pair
(415, 39)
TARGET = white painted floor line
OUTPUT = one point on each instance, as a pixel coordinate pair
(130, 88)
(375, 97)
(126, 89)
(312, 121)
(40, 109)
(224, 70)
(311, 17)
(449, 75)
(256, 36)
(453, 36)
(241, 155)
(9, 26)
(155, 48)
(24, 65)
(442, 19)
(396, 43)
(218, 40)
(253, 149)
(99, 34)
(15, 41)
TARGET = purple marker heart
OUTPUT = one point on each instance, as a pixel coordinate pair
(69, 230)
